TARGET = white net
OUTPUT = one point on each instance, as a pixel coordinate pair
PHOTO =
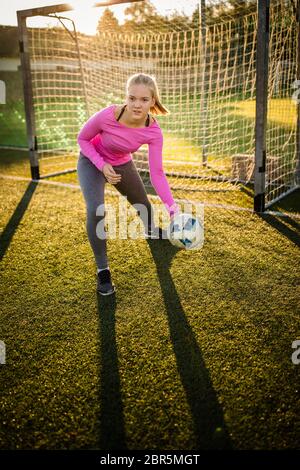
(282, 109)
(205, 66)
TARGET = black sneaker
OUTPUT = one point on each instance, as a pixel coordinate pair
(104, 284)
(156, 234)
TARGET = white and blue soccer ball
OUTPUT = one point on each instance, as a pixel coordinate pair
(186, 231)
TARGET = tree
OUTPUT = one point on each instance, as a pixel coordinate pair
(142, 16)
(108, 22)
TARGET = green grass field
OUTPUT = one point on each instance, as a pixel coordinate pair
(193, 352)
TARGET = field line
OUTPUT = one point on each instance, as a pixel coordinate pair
(154, 197)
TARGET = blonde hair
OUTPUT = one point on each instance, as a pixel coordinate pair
(149, 81)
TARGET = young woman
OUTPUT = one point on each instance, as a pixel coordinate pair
(106, 142)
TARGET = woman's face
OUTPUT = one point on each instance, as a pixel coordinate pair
(139, 100)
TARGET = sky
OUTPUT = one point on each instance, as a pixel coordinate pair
(85, 18)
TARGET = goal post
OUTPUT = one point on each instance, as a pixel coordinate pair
(22, 16)
(225, 72)
(297, 14)
(28, 95)
(262, 62)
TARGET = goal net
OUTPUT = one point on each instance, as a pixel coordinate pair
(205, 65)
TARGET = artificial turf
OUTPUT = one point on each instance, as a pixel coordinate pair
(193, 352)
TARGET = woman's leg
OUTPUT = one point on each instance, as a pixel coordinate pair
(132, 186)
(92, 183)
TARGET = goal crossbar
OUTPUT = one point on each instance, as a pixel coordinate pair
(41, 11)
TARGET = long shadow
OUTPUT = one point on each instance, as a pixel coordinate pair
(111, 420)
(207, 414)
(247, 189)
(10, 229)
(292, 232)
(11, 157)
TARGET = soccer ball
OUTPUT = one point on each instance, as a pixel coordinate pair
(186, 231)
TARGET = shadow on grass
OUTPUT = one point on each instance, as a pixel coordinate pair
(247, 189)
(286, 226)
(209, 426)
(111, 421)
(12, 157)
(10, 229)
(289, 203)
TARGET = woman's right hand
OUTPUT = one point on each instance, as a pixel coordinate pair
(110, 174)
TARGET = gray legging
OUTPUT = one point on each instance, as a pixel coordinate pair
(92, 182)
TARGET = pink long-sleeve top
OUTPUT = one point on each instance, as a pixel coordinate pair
(103, 140)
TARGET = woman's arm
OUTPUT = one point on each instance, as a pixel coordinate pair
(158, 177)
(91, 128)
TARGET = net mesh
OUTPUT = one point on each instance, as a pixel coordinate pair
(282, 109)
(205, 66)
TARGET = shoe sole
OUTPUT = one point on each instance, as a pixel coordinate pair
(107, 293)
(156, 236)
(153, 236)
